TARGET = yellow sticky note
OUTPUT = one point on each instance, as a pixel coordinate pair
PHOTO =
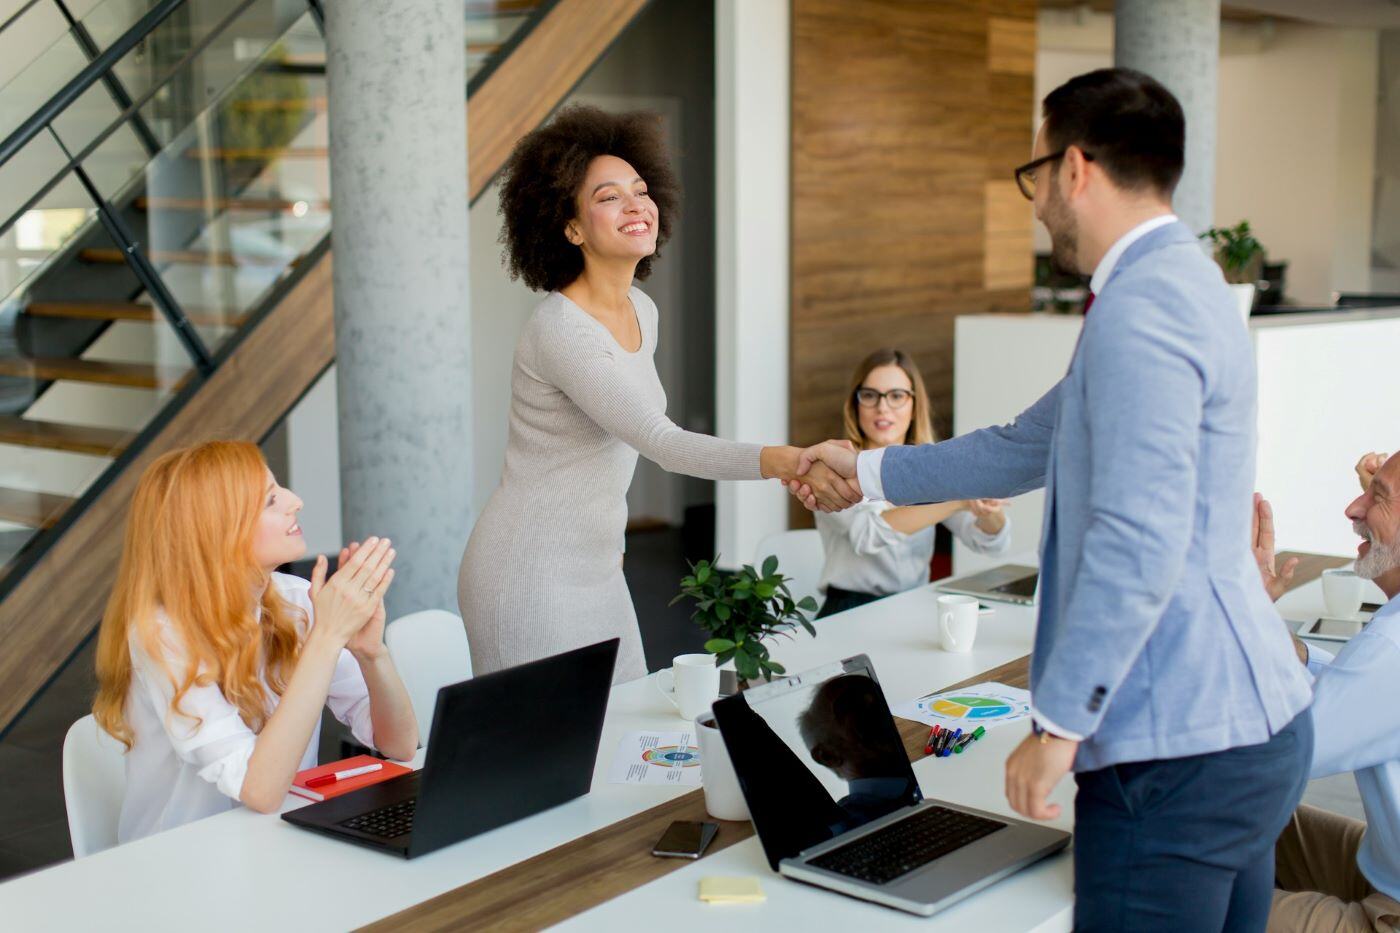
(731, 891)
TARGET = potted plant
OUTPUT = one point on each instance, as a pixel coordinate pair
(1241, 257)
(740, 609)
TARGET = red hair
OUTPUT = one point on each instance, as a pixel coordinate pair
(188, 554)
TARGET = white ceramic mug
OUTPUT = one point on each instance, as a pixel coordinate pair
(723, 798)
(692, 684)
(1341, 591)
(957, 622)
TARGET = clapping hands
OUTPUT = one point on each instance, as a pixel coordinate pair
(350, 603)
(827, 477)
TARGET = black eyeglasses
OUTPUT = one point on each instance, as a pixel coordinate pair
(870, 398)
(1025, 175)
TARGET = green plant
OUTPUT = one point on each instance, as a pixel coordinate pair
(1237, 251)
(742, 608)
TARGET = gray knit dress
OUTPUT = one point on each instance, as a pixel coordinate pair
(543, 569)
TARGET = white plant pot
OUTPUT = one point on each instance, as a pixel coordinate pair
(1244, 295)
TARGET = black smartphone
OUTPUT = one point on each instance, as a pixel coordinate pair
(685, 839)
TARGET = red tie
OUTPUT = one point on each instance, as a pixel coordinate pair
(1088, 302)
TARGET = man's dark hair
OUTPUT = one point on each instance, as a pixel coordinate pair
(542, 177)
(1129, 123)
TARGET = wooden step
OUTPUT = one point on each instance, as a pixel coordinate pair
(50, 435)
(110, 255)
(45, 369)
(230, 205)
(35, 509)
(117, 311)
(257, 154)
(487, 9)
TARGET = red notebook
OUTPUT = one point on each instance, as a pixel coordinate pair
(327, 791)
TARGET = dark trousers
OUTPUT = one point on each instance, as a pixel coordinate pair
(1186, 844)
(839, 600)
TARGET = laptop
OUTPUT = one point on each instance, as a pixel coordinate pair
(1009, 583)
(479, 773)
(836, 804)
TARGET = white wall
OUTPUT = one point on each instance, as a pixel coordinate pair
(1295, 141)
(752, 227)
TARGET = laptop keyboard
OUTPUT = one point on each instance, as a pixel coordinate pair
(388, 822)
(911, 843)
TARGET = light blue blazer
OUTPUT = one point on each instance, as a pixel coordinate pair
(1155, 636)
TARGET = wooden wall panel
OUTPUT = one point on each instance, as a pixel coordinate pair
(907, 119)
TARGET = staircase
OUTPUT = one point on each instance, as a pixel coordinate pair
(165, 264)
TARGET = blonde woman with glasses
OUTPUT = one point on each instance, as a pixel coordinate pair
(875, 549)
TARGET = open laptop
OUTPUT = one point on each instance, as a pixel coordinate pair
(836, 804)
(479, 773)
(1009, 583)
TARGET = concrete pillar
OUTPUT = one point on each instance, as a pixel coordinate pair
(397, 108)
(1178, 43)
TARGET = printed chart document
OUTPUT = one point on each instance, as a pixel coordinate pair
(988, 705)
(657, 758)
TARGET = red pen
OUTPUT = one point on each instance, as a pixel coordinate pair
(928, 746)
(325, 779)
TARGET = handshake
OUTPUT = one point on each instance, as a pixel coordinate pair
(823, 477)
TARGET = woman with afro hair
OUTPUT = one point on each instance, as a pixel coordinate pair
(587, 200)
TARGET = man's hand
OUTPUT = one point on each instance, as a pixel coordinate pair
(828, 480)
(1367, 466)
(1262, 541)
(1032, 772)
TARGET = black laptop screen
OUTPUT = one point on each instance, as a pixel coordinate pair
(817, 758)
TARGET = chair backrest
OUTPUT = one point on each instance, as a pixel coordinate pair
(800, 556)
(94, 782)
(430, 650)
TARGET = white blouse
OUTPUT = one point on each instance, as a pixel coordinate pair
(186, 767)
(865, 555)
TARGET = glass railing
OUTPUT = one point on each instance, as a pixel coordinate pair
(141, 226)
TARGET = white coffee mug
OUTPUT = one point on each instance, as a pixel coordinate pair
(1341, 591)
(692, 684)
(957, 622)
(723, 798)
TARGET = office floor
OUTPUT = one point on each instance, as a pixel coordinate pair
(34, 830)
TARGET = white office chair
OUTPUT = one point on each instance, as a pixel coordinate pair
(430, 650)
(800, 556)
(94, 782)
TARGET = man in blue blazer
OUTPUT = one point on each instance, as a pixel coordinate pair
(1162, 673)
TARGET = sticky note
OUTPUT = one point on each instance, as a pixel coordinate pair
(731, 891)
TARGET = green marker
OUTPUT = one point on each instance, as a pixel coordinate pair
(970, 737)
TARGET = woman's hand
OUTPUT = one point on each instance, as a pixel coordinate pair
(1367, 466)
(368, 642)
(348, 601)
(989, 514)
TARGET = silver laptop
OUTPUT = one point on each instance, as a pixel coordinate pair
(836, 804)
(1009, 583)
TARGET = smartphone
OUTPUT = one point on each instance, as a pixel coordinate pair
(685, 839)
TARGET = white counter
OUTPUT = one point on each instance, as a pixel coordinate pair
(1325, 398)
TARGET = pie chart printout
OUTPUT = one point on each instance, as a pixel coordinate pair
(987, 705)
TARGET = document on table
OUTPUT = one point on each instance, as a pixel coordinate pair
(988, 705)
(657, 758)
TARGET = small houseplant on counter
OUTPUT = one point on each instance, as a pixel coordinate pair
(742, 608)
(1241, 257)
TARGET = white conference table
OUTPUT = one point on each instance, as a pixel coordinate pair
(241, 870)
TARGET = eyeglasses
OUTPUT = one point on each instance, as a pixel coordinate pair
(870, 398)
(1026, 174)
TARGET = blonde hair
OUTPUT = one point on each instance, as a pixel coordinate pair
(188, 554)
(920, 425)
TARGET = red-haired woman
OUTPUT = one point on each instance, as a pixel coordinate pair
(212, 669)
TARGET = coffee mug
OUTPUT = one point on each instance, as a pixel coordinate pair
(723, 798)
(957, 622)
(691, 684)
(1341, 592)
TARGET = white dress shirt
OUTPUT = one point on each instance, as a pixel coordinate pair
(865, 555)
(186, 767)
(868, 462)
